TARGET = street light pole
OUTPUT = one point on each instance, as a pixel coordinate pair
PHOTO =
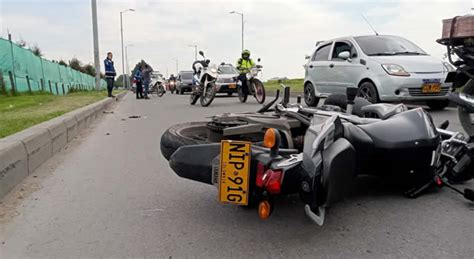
(95, 33)
(242, 18)
(195, 51)
(126, 62)
(121, 36)
(177, 65)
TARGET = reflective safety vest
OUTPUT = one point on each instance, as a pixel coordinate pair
(244, 65)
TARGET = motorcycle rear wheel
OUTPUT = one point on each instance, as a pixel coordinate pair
(208, 97)
(466, 118)
(259, 90)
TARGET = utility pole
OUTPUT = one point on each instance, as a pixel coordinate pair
(126, 63)
(177, 65)
(242, 19)
(121, 36)
(95, 33)
(195, 51)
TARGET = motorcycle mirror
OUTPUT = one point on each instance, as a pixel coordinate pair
(201, 53)
(258, 59)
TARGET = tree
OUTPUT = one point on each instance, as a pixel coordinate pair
(36, 50)
(75, 64)
(62, 63)
(119, 81)
(89, 69)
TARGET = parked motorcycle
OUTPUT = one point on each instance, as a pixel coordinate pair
(254, 85)
(458, 36)
(158, 86)
(205, 77)
(287, 149)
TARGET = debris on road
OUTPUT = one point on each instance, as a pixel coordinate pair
(107, 133)
(108, 112)
(134, 116)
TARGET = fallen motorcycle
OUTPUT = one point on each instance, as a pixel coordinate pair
(285, 149)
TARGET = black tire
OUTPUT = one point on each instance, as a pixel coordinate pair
(229, 93)
(368, 91)
(207, 99)
(466, 118)
(437, 105)
(259, 90)
(193, 98)
(242, 96)
(310, 97)
(189, 133)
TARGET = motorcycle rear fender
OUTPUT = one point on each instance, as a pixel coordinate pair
(194, 162)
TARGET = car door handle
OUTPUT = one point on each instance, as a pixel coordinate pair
(331, 65)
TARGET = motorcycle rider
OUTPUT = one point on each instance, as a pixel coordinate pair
(244, 64)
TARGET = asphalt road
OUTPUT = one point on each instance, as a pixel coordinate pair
(113, 195)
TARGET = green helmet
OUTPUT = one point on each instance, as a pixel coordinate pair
(245, 53)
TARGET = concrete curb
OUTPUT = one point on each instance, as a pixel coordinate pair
(22, 153)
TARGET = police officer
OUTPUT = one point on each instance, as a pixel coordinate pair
(109, 73)
(138, 83)
(244, 64)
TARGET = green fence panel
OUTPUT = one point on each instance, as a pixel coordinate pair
(30, 72)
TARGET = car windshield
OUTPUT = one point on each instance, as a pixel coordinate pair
(186, 76)
(387, 46)
(228, 70)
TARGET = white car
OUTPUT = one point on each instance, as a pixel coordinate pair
(384, 68)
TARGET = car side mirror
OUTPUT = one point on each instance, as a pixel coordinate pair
(344, 55)
(307, 57)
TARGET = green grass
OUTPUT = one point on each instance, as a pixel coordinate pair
(23, 111)
(296, 85)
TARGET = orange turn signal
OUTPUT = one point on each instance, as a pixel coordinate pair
(269, 140)
(264, 209)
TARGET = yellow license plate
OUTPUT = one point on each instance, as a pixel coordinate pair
(431, 88)
(234, 173)
(232, 86)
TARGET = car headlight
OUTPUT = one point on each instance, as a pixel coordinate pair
(448, 67)
(395, 70)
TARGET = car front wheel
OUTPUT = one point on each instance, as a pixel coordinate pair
(368, 91)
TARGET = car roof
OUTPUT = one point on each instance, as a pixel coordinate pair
(325, 42)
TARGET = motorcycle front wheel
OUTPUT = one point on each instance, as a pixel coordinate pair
(193, 97)
(242, 96)
(210, 93)
(466, 118)
(259, 91)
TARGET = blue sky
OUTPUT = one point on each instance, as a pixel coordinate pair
(280, 32)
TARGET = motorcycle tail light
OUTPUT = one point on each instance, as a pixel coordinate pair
(260, 174)
(272, 180)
